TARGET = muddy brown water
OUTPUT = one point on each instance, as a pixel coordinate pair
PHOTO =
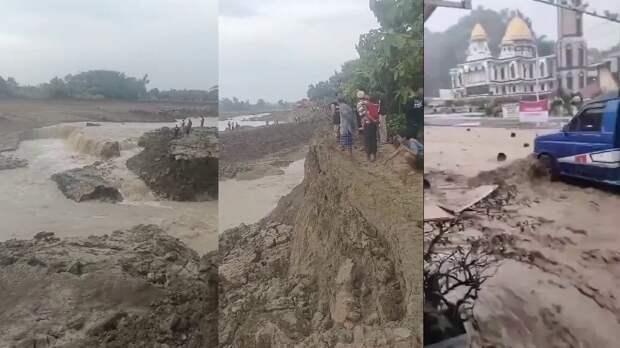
(566, 292)
(30, 202)
(248, 201)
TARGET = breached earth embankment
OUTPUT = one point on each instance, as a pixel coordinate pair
(556, 282)
(182, 168)
(337, 263)
(131, 288)
(263, 150)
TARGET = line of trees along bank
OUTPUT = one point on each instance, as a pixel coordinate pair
(234, 104)
(390, 63)
(102, 84)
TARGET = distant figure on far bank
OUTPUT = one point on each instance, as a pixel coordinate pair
(335, 112)
(348, 126)
(202, 121)
(176, 130)
(188, 128)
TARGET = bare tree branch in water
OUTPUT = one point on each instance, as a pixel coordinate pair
(453, 277)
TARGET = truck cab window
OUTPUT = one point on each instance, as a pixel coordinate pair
(589, 120)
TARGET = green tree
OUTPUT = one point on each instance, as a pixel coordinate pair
(106, 84)
(390, 64)
(4, 89)
(57, 88)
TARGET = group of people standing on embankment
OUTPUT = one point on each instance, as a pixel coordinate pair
(365, 118)
(368, 120)
(186, 127)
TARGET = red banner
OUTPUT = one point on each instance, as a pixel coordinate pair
(533, 106)
(533, 111)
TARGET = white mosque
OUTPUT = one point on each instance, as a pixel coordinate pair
(519, 70)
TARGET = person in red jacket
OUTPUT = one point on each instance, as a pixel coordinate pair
(369, 112)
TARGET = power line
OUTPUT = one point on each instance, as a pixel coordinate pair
(613, 17)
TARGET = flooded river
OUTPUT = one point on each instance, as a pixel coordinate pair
(30, 201)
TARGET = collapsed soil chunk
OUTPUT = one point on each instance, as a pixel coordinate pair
(85, 184)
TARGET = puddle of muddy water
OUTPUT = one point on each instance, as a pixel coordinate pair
(248, 201)
(30, 201)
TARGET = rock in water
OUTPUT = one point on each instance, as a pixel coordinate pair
(110, 149)
(11, 163)
(83, 184)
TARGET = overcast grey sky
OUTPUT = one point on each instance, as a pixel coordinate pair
(174, 41)
(273, 49)
(600, 33)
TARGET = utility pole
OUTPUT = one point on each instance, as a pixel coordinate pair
(613, 17)
(431, 5)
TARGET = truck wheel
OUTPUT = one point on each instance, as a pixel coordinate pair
(550, 167)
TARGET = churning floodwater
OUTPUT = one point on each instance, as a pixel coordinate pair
(30, 202)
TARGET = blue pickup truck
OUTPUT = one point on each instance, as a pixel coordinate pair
(588, 147)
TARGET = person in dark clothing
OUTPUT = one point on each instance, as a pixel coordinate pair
(188, 128)
(370, 122)
(414, 114)
(176, 130)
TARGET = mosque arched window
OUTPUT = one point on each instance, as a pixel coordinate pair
(569, 55)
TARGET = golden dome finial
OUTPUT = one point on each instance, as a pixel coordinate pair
(478, 33)
(517, 30)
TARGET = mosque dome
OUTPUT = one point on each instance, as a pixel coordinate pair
(517, 30)
(478, 33)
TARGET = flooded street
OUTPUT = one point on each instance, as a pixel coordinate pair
(558, 271)
(30, 202)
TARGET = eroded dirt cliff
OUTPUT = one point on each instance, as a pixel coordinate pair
(182, 168)
(337, 264)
